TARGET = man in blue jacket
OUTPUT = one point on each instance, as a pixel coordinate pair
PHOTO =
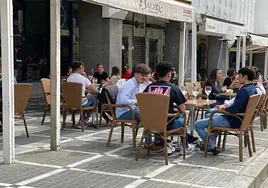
(246, 78)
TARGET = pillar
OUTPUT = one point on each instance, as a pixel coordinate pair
(265, 64)
(172, 43)
(7, 81)
(182, 53)
(100, 38)
(55, 73)
(250, 58)
(244, 51)
(194, 51)
(238, 51)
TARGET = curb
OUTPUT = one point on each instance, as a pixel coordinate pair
(254, 174)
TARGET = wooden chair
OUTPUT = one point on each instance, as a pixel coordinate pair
(246, 119)
(45, 82)
(264, 113)
(133, 124)
(72, 95)
(156, 121)
(22, 93)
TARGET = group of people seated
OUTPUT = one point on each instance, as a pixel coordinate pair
(247, 77)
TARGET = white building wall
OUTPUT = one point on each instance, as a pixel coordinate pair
(261, 14)
(239, 11)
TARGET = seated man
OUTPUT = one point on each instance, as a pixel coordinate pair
(246, 78)
(164, 86)
(127, 94)
(76, 76)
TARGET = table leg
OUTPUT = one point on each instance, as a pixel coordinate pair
(192, 112)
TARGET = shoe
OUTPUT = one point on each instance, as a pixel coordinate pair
(189, 150)
(170, 149)
(192, 139)
(214, 151)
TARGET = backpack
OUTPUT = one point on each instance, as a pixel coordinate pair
(111, 91)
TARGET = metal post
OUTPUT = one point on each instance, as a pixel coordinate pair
(194, 46)
(55, 73)
(8, 81)
(265, 64)
(244, 51)
(250, 58)
(182, 53)
(238, 53)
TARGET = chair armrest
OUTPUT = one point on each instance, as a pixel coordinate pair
(47, 93)
(224, 113)
(123, 106)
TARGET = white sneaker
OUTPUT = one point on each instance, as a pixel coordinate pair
(189, 150)
(170, 149)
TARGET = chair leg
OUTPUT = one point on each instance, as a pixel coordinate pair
(63, 119)
(219, 140)
(197, 113)
(44, 115)
(122, 133)
(206, 145)
(148, 135)
(240, 147)
(188, 118)
(25, 125)
(165, 148)
(265, 121)
(202, 113)
(224, 141)
(101, 114)
(245, 141)
(139, 148)
(134, 136)
(253, 140)
(73, 118)
(249, 145)
(110, 136)
(262, 121)
(82, 120)
(184, 147)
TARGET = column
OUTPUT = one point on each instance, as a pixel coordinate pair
(55, 73)
(172, 43)
(250, 58)
(182, 53)
(100, 38)
(8, 81)
(244, 51)
(238, 53)
(194, 51)
(265, 64)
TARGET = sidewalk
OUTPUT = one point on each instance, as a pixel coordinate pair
(85, 161)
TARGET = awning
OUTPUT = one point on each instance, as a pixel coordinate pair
(223, 28)
(258, 40)
(255, 44)
(167, 9)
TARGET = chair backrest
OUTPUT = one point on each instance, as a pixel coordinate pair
(45, 82)
(72, 95)
(22, 93)
(250, 111)
(189, 89)
(153, 109)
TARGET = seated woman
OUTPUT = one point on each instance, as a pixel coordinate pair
(231, 73)
(115, 75)
(214, 81)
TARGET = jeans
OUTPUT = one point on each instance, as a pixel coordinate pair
(202, 125)
(209, 111)
(91, 101)
(128, 115)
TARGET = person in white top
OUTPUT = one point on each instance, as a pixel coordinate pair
(77, 77)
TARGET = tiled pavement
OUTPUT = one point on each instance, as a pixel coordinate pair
(85, 161)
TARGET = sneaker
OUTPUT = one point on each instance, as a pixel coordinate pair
(170, 150)
(189, 150)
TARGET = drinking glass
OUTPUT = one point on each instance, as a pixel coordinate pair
(95, 81)
(195, 92)
(208, 90)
